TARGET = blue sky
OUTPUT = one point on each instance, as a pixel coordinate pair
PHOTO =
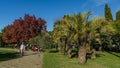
(51, 10)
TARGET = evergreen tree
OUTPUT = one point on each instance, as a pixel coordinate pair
(108, 14)
(118, 16)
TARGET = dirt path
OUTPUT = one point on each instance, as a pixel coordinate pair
(30, 60)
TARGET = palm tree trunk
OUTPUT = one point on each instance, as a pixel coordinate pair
(87, 48)
(64, 48)
(100, 48)
(60, 47)
(93, 56)
(70, 52)
(82, 55)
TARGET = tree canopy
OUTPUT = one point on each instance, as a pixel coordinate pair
(24, 29)
(107, 13)
(118, 16)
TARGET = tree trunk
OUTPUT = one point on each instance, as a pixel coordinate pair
(60, 47)
(56, 46)
(64, 48)
(82, 55)
(100, 48)
(70, 52)
(67, 47)
(93, 56)
(87, 48)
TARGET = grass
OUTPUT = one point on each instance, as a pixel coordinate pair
(103, 60)
(7, 54)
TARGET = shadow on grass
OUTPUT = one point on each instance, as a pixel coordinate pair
(114, 54)
(88, 55)
(97, 55)
(8, 56)
(74, 55)
(53, 51)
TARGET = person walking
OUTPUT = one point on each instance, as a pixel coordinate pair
(22, 48)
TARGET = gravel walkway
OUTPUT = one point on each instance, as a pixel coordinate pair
(30, 60)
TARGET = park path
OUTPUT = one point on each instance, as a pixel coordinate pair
(30, 60)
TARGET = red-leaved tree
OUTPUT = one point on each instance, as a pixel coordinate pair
(23, 29)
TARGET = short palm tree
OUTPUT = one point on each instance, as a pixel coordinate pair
(59, 34)
(78, 29)
(77, 26)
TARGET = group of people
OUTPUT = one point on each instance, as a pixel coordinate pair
(33, 48)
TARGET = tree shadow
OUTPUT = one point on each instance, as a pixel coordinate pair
(8, 56)
(114, 54)
(74, 55)
(53, 51)
(99, 55)
(88, 56)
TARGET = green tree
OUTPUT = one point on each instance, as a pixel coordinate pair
(68, 23)
(43, 40)
(118, 16)
(59, 34)
(78, 29)
(107, 13)
(77, 26)
(117, 27)
(2, 43)
(0, 39)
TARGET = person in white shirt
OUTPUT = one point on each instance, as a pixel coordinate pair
(22, 48)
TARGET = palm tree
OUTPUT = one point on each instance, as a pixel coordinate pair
(94, 30)
(107, 32)
(116, 37)
(99, 30)
(59, 34)
(85, 32)
(68, 25)
(77, 27)
(62, 32)
(80, 34)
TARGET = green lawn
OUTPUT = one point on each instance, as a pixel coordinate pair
(103, 60)
(7, 54)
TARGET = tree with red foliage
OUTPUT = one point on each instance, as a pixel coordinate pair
(23, 29)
